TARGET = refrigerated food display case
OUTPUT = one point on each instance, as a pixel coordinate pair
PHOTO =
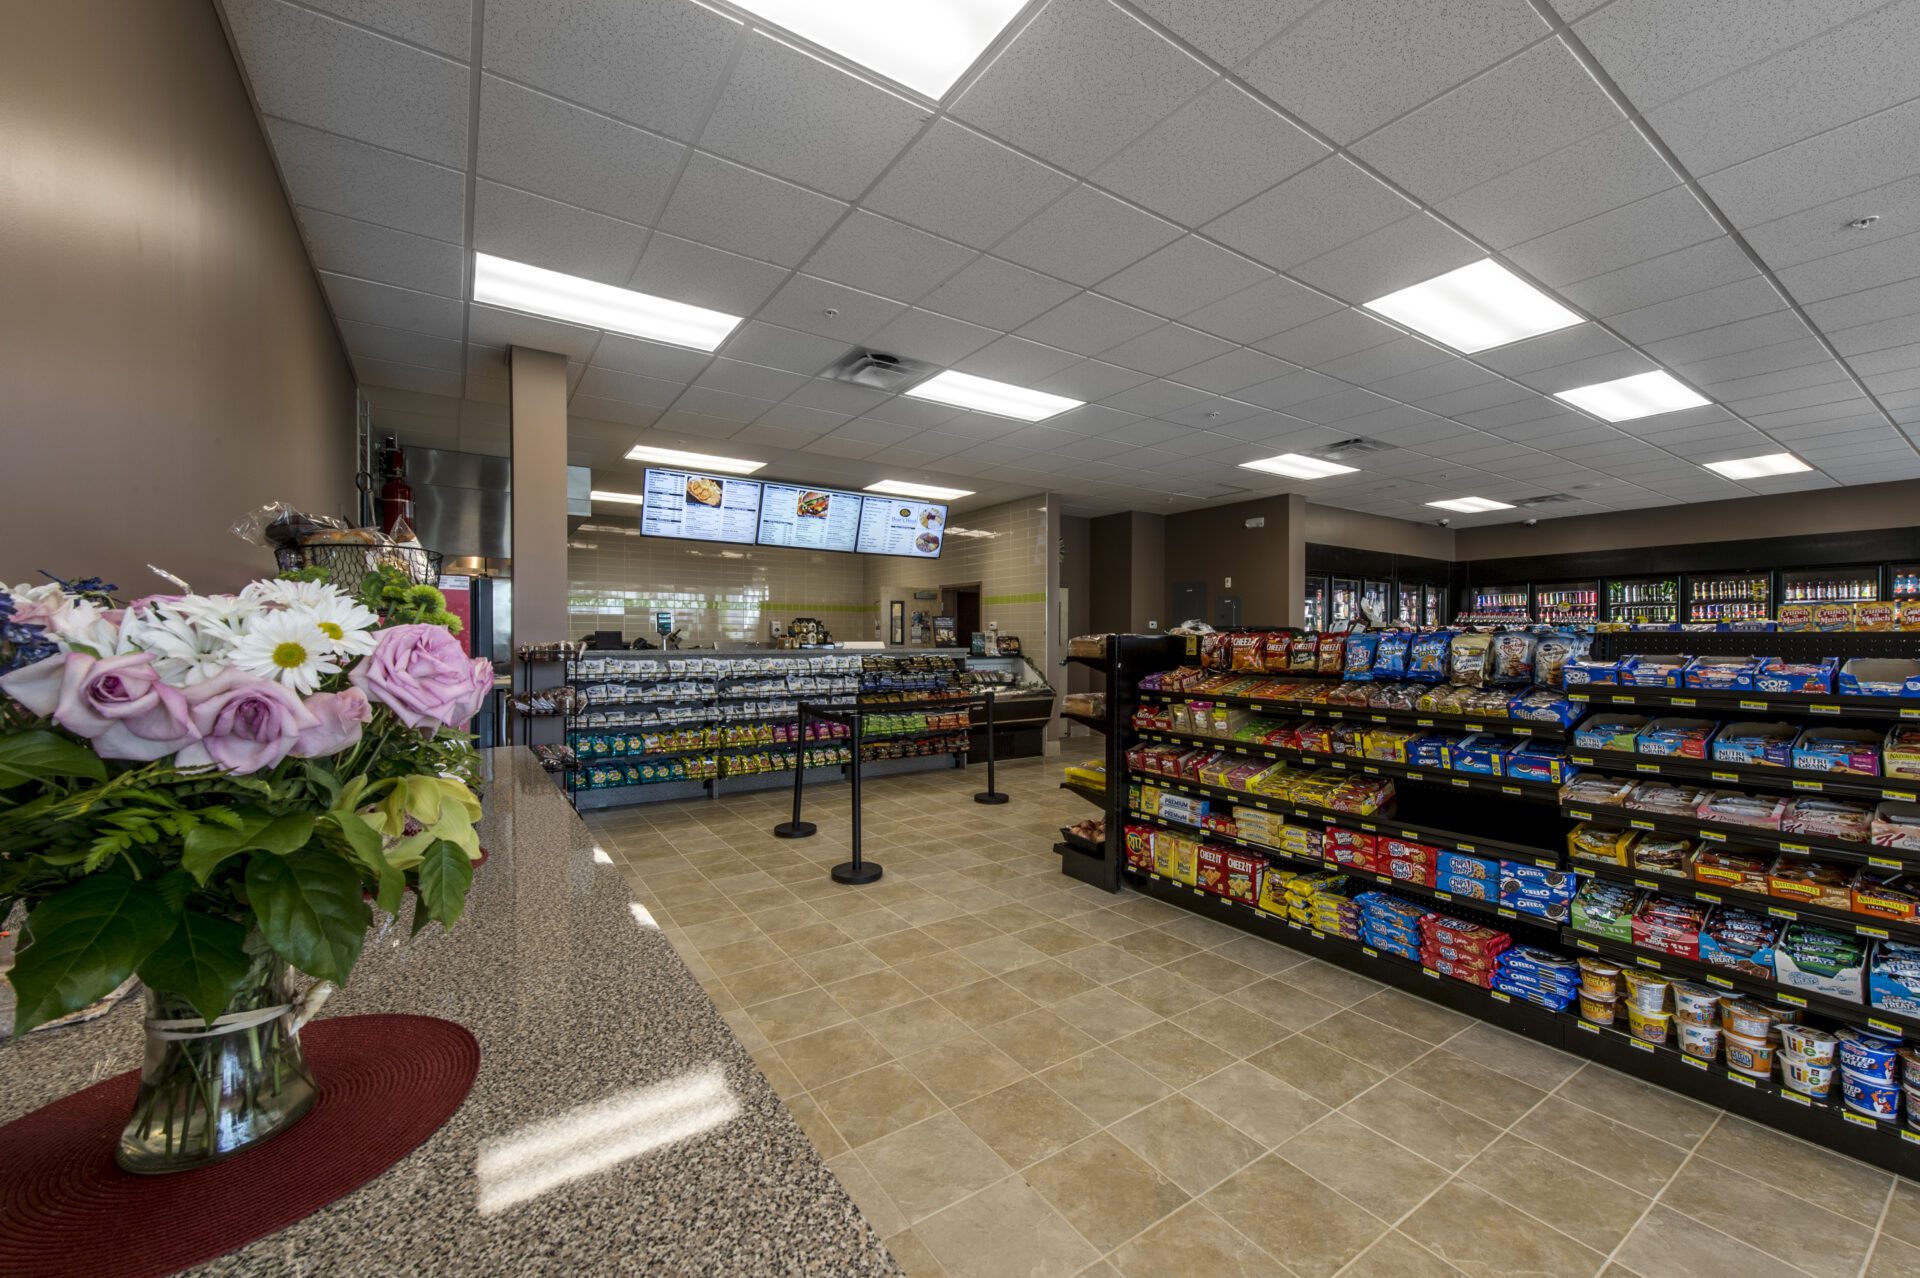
(1905, 580)
(1343, 602)
(1376, 603)
(1650, 599)
(1434, 612)
(1730, 596)
(1407, 612)
(1567, 603)
(1855, 583)
(1316, 611)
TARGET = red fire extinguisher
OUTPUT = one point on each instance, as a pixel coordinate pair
(396, 497)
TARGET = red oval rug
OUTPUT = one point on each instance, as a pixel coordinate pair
(66, 1211)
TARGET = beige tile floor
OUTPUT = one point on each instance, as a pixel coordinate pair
(1016, 1074)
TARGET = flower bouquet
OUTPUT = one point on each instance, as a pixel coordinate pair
(205, 791)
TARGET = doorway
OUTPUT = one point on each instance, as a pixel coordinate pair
(962, 603)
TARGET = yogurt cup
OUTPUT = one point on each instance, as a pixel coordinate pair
(1809, 1078)
(1868, 1057)
(1697, 1039)
(1863, 1096)
(1816, 1047)
(1750, 1056)
(1647, 993)
(1699, 1004)
(1748, 1020)
(1650, 1027)
(1600, 1011)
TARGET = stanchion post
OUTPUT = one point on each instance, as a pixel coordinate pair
(856, 871)
(992, 793)
(796, 828)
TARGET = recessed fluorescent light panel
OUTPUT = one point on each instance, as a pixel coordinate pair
(925, 492)
(923, 44)
(1298, 466)
(626, 499)
(1759, 467)
(696, 461)
(536, 291)
(1472, 505)
(1642, 395)
(963, 390)
(1475, 308)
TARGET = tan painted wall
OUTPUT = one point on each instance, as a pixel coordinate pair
(1332, 526)
(1793, 514)
(166, 361)
(1267, 564)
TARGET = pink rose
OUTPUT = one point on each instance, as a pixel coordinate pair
(246, 724)
(117, 703)
(38, 605)
(420, 673)
(482, 687)
(340, 715)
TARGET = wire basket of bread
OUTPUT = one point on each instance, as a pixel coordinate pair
(348, 554)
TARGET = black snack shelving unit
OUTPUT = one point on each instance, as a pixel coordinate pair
(1125, 660)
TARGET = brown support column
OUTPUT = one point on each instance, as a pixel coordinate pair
(539, 497)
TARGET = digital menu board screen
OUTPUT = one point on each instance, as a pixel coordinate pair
(809, 518)
(900, 526)
(684, 503)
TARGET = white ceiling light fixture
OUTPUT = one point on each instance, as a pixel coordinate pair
(498, 281)
(625, 499)
(1627, 398)
(1472, 505)
(922, 44)
(696, 461)
(1299, 466)
(925, 492)
(984, 395)
(1759, 467)
(1475, 308)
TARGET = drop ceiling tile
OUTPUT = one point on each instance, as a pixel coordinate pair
(920, 414)
(1889, 301)
(1167, 349)
(700, 276)
(737, 209)
(1184, 276)
(1223, 147)
(997, 294)
(1226, 30)
(848, 449)
(1709, 374)
(1859, 156)
(409, 377)
(338, 175)
(1086, 236)
(1550, 349)
(738, 409)
(1155, 398)
(804, 419)
(399, 346)
(445, 26)
(1292, 388)
(1089, 323)
(1351, 66)
(1726, 339)
(919, 334)
(1450, 375)
(1660, 49)
(1690, 270)
(612, 410)
(1311, 213)
(967, 187)
(1794, 422)
(1823, 230)
(1124, 76)
(1879, 335)
(350, 247)
(790, 114)
(1088, 419)
(625, 388)
(1088, 381)
(803, 303)
(1146, 432)
(1387, 360)
(489, 326)
(878, 255)
(1861, 67)
(1342, 404)
(1621, 237)
(1802, 397)
(1392, 258)
(979, 426)
(1212, 413)
(1254, 314)
(307, 67)
(758, 342)
(1557, 190)
(541, 144)
(1235, 370)
(1588, 372)
(364, 300)
(837, 397)
(1471, 402)
(528, 228)
(1854, 270)
(1527, 107)
(1710, 310)
(1329, 337)
(737, 377)
(1016, 360)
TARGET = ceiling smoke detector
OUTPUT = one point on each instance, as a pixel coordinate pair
(1862, 223)
(879, 370)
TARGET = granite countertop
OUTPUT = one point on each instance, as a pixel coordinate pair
(582, 1010)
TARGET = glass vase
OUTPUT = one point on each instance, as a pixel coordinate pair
(208, 1092)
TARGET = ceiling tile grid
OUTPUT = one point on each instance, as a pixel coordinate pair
(1171, 209)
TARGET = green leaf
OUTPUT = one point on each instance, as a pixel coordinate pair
(204, 962)
(206, 846)
(445, 875)
(37, 753)
(364, 841)
(310, 910)
(83, 941)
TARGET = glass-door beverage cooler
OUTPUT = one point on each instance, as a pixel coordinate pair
(1434, 610)
(1730, 596)
(1567, 603)
(1501, 603)
(1407, 613)
(1343, 603)
(1645, 599)
(1858, 583)
(1905, 580)
(1316, 610)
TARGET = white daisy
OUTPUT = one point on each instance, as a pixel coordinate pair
(287, 594)
(289, 649)
(186, 650)
(229, 611)
(342, 620)
(85, 624)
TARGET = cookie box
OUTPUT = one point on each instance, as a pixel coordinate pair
(1460, 865)
(1729, 674)
(1544, 761)
(1609, 732)
(1472, 889)
(1577, 674)
(1775, 675)
(1482, 754)
(1675, 738)
(1850, 751)
(1764, 745)
(1879, 677)
(1661, 670)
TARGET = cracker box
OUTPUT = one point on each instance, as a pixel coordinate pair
(1176, 857)
(1875, 616)
(1795, 616)
(1832, 617)
(1907, 615)
(1140, 847)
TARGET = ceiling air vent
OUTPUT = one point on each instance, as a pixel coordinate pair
(879, 370)
(1351, 448)
(1544, 499)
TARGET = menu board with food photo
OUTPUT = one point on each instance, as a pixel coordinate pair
(808, 518)
(682, 503)
(891, 526)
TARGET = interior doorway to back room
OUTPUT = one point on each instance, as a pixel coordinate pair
(962, 603)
